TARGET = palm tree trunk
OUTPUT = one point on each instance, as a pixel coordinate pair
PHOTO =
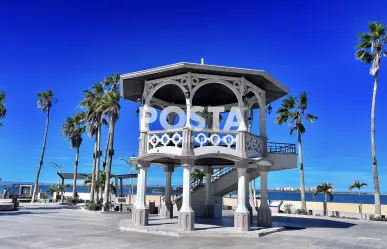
(325, 205)
(93, 172)
(75, 173)
(97, 161)
(41, 157)
(360, 206)
(109, 166)
(97, 165)
(302, 181)
(378, 212)
(106, 152)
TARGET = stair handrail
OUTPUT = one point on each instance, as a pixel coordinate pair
(177, 192)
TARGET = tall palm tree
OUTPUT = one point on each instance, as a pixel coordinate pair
(112, 82)
(45, 102)
(110, 107)
(91, 102)
(357, 184)
(3, 109)
(73, 130)
(327, 190)
(370, 51)
(293, 112)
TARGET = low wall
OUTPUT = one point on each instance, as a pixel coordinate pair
(311, 205)
(318, 206)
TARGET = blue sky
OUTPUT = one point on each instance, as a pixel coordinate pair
(306, 45)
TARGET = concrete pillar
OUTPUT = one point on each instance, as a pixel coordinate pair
(116, 184)
(264, 212)
(121, 188)
(208, 203)
(249, 204)
(242, 214)
(166, 209)
(141, 212)
(186, 216)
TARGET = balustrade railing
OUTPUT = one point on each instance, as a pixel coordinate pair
(162, 138)
(256, 146)
(281, 148)
(208, 137)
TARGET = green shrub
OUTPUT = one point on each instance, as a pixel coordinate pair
(288, 208)
(92, 206)
(300, 211)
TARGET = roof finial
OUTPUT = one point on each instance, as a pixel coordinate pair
(202, 61)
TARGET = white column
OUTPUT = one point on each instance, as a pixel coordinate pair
(264, 212)
(168, 181)
(242, 214)
(141, 212)
(141, 193)
(186, 206)
(208, 203)
(264, 203)
(186, 216)
(138, 187)
(262, 122)
(166, 208)
(208, 200)
(241, 203)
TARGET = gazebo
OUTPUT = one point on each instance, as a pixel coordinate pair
(196, 106)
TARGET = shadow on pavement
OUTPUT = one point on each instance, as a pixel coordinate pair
(301, 222)
(288, 222)
(15, 213)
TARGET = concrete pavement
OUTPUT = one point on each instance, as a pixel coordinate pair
(54, 226)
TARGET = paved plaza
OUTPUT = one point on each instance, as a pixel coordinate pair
(54, 226)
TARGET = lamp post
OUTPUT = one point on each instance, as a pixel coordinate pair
(131, 179)
(57, 166)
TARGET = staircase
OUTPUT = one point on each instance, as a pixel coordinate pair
(225, 180)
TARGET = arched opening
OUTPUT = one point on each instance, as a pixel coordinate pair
(174, 96)
(213, 94)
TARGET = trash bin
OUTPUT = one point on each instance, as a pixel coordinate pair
(152, 207)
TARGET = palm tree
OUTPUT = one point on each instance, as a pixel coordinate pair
(113, 82)
(198, 175)
(52, 190)
(293, 112)
(45, 102)
(61, 190)
(357, 184)
(91, 102)
(73, 130)
(327, 190)
(101, 181)
(110, 107)
(3, 109)
(370, 51)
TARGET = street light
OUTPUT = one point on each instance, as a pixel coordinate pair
(57, 166)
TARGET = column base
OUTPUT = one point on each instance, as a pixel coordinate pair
(208, 210)
(166, 211)
(242, 221)
(186, 221)
(140, 217)
(264, 218)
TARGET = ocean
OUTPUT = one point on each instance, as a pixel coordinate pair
(365, 198)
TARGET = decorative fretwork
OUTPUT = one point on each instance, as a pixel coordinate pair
(210, 138)
(254, 144)
(162, 139)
